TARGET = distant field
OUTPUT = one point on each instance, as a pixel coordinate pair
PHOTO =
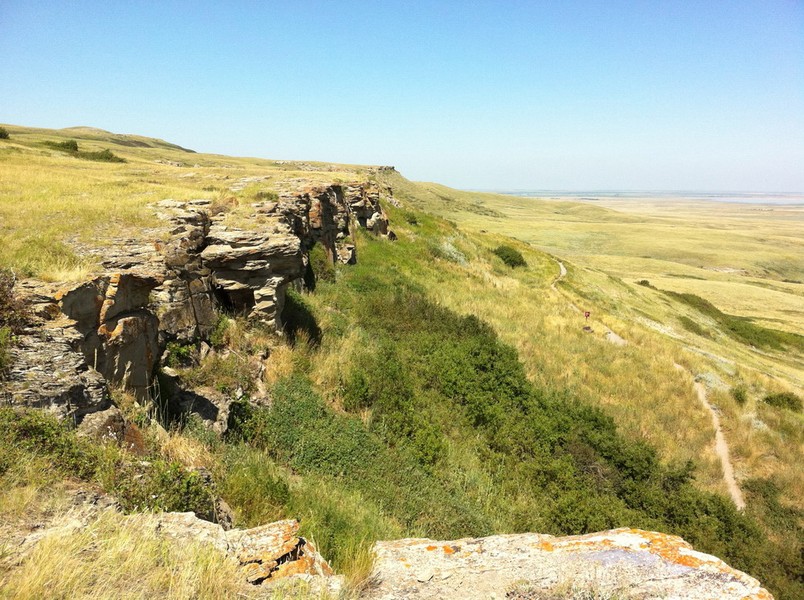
(745, 258)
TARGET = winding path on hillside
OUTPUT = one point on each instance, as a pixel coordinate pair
(721, 447)
(609, 335)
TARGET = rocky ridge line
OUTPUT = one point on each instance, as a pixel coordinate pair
(115, 327)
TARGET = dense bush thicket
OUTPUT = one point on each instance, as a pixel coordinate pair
(510, 256)
(3, 133)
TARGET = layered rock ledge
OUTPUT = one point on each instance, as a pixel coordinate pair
(169, 284)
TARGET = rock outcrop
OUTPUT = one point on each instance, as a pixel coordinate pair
(49, 372)
(167, 285)
(623, 563)
(119, 331)
(265, 553)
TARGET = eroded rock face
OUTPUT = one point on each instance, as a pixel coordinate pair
(626, 563)
(335, 210)
(250, 269)
(49, 372)
(119, 332)
(167, 286)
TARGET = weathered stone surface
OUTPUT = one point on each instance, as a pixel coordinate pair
(252, 268)
(48, 373)
(334, 210)
(266, 553)
(628, 563)
(111, 425)
(119, 331)
(185, 308)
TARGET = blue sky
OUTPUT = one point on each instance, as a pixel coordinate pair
(662, 95)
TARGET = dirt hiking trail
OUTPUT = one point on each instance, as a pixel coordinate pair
(721, 447)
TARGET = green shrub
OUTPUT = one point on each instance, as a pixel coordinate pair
(740, 394)
(14, 316)
(104, 155)
(6, 339)
(137, 484)
(217, 338)
(3, 133)
(510, 256)
(179, 355)
(269, 195)
(410, 218)
(159, 486)
(65, 146)
(645, 283)
(741, 328)
(14, 313)
(36, 432)
(299, 321)
(787, 400)
(321, 265)
(692, 326)
(301, 432)
(71, 147)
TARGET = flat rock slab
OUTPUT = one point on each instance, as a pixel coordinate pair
(626, 563)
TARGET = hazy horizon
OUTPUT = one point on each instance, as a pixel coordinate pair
(570, 96)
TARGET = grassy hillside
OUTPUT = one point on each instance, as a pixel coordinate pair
(432, 389)
(55, 205)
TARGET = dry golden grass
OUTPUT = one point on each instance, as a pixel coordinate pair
(116, 557)
(54, 207)
(280, 364)
(185, 450)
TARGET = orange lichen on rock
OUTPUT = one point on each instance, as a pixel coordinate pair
(655, 565)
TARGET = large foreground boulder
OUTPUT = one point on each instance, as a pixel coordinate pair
(623, 563)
